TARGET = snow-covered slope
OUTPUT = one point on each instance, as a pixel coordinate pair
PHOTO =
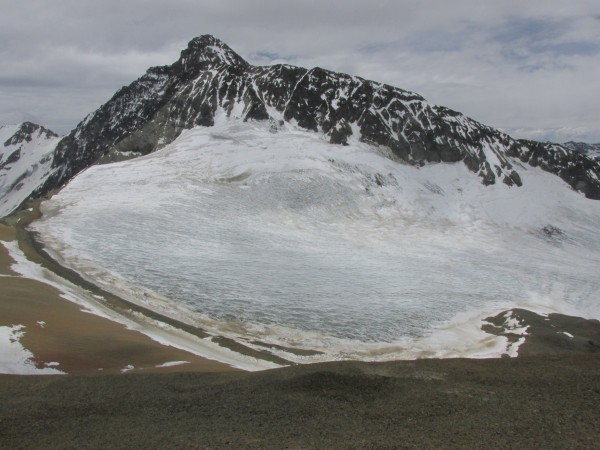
(278, 236)
(26, 152)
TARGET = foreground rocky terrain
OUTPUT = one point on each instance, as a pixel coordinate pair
(537, 402)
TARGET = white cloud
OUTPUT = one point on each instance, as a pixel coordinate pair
(516, 65)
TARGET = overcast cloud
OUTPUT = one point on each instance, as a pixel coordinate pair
(529, 67)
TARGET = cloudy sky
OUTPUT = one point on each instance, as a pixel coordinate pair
(531, 68)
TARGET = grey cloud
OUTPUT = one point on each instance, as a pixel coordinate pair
(516, 29)
(491, 60)
(568, 48)
(20, 82)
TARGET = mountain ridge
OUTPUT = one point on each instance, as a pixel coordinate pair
(210, 78)
(153, 110)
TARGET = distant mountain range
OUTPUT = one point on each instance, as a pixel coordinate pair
(210, 79)
(590, 150)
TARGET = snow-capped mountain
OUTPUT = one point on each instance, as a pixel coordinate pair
(289, 207)
(26, 152)
(210, 78)
(590, 150)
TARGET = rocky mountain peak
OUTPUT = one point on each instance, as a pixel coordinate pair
(205, 52)
(25, 133)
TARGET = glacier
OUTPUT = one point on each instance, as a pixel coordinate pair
(275, 235)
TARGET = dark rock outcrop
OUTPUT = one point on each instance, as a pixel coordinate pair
(579, 171)
(552, 334)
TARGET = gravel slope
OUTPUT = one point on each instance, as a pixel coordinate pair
(535, 402)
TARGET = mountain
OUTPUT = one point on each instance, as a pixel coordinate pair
(26, 152)
(210, 79)
(319, 216)
(590, 150)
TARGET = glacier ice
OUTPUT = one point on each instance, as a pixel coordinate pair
(285, 238)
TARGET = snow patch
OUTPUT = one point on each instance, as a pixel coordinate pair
(17, 360)
(173, 363)
(127, 368)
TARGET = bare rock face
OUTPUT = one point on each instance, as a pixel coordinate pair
(210, 78)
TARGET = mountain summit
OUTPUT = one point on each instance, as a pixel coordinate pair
(205, 52)
(210, 79)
